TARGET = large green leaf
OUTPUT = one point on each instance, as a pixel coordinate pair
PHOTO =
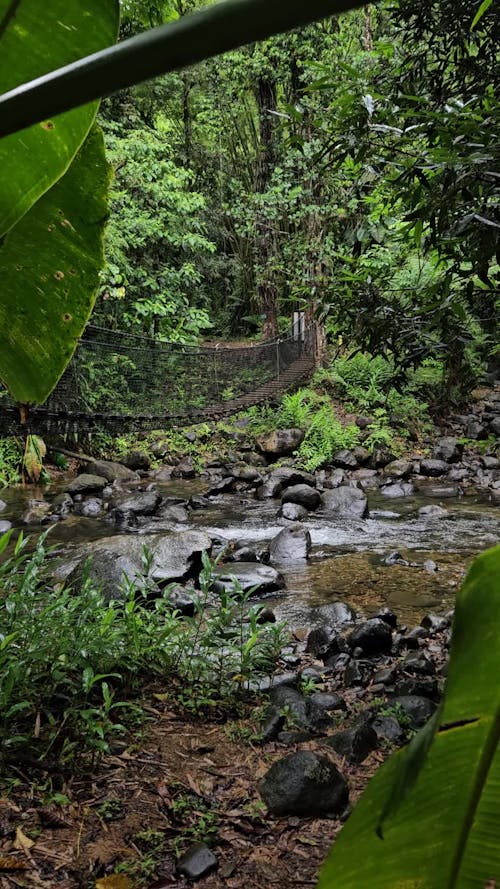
(49, 269)
(430, 819)
(36, 37)
(208, 32)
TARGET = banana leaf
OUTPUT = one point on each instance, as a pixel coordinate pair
(34, 39)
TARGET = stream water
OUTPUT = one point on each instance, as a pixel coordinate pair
(347, 560)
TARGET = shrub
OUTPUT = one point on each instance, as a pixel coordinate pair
(72, 663)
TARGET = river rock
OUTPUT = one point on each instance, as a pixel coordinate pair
(5, 526)
(110, 471)
(447, 449)
(433, 467)
(172, 513)
(137, 460)
(282, 478)
(387, 728)
(301, 711)
(248, 575)
(62, 505)
(197, 862)
(355, 744)
(142, 503)
(403, 489)
(329, 702)
(372, 636)
(304, 784)
(323, 642)
(398, 469)
(345, 460)
(304, 495)
(86, 483)
(290, 545)
(495, 426)
(184, 469)
(417, 710)
(336, 614)
(381, 457)
(475, 430)
(281, 442)
(418, 662)
(293, 512)
(37, 511)
(432, 511)
(335, 479)
(345, 501)
(272, 724)
(91, 508)
(173, 557)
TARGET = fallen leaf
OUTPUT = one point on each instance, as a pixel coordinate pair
(12, 864)
(22, 841)
(114, 881)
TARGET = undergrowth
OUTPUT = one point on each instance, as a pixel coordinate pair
(73, 665)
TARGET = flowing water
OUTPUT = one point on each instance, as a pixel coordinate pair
(347, 557)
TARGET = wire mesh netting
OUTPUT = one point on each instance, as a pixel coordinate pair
(115, 376)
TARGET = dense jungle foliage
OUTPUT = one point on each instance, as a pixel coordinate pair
(349, 169)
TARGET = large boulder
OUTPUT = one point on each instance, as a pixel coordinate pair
(345, 501)
(290, 545)
(140, 503)
(306, 784)
(281, 442)
(248, 575)
(304, 495)
(86, 483)
(110, 471)
(110, 561)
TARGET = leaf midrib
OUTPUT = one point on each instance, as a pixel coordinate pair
(481, 776)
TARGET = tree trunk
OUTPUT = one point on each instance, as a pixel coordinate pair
(265, 246)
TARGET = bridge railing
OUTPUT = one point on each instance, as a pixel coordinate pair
(115, 375)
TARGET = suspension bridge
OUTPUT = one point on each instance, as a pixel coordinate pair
(122, 382)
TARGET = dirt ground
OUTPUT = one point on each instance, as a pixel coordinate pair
(177, 783)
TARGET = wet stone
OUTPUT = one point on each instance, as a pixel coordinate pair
(373, 636)
(354, 744)
(273, 723)
(388, 616)
(87, 483)
(421, 686)
(417, 710)
(323, 642)
(433, 468)
(387, 728)
(5, 526)
(304, 495)
(197, 862)
(293, 512)
(304, 784)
